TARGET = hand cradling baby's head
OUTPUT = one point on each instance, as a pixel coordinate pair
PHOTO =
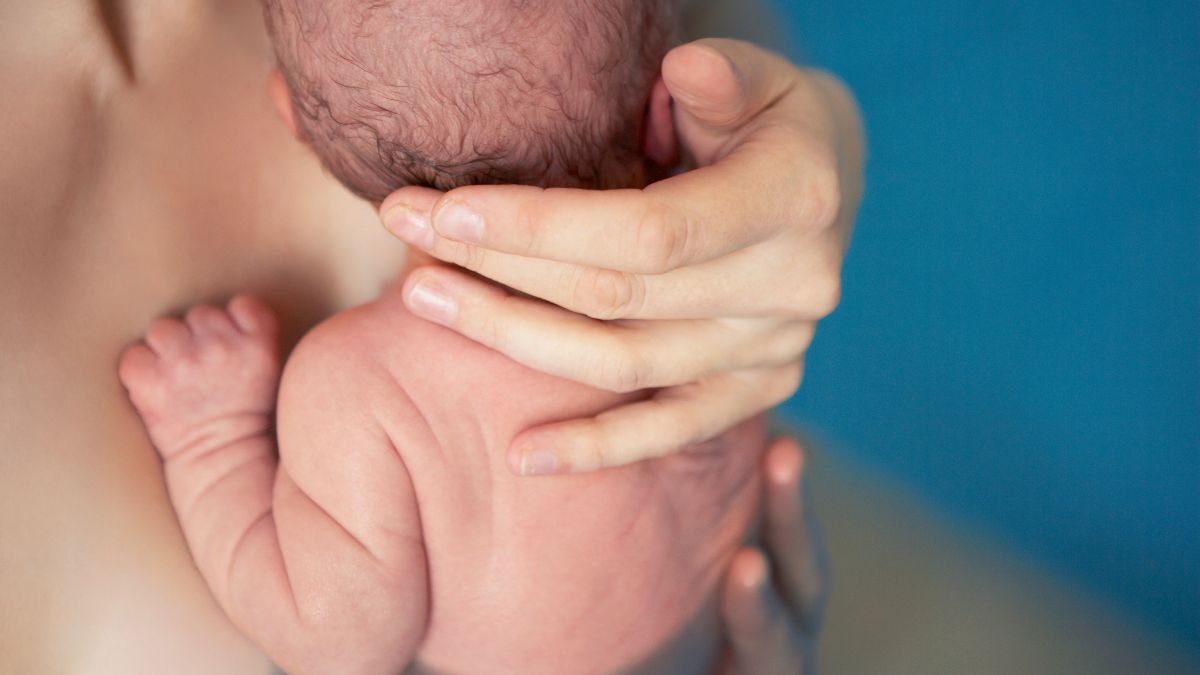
(454, 92)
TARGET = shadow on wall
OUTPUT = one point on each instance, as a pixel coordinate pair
(1019, 340)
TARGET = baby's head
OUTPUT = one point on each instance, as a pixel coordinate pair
(444, 93)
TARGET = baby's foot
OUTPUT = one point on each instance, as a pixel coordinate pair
(207, 381)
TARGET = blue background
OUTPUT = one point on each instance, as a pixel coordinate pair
(1019, 339)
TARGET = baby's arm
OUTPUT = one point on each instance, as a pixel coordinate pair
(318, 555)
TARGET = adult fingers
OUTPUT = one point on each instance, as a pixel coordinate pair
(762, 637)
(670, 420)
(617, 356)
(771, 173)
(689, 218)
(791, 537)
(803, 282)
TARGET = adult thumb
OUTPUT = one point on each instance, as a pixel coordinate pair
(720, 84)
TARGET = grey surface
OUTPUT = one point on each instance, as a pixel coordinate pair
(916, 594)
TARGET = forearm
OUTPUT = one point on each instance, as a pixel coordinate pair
(220, 490)
(276, 535)
(288, 574)
(223, 493)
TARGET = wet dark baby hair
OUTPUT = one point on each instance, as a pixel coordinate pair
(454, 92)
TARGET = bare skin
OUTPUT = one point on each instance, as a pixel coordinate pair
(390, 530)
(144, 172)
(120, 202)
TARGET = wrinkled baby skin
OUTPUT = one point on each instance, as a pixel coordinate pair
(383, 529)
(390, 532)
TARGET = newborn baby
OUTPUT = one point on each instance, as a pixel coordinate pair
(387, 532)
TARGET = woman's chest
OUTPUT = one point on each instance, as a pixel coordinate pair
(170, 195)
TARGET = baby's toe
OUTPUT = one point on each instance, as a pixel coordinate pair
(169, 337)
(207, 321)
(252, 316)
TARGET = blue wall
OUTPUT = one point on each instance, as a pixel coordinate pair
(1020, 336)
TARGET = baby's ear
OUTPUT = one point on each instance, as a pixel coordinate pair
(282, 98)
(659, 144)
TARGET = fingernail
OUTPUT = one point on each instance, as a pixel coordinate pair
(429, 300)
(538, 463)
(784, 474)
(785, 470)
(459, 222)
(410, 225)
(754, 576)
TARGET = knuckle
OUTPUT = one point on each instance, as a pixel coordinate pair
(591, 447)
(786, 382)
(803, 339)
(826, 297)
(469, 257)
(816, 293)
(621, 369)
(600, 449)
(790, 344)
(829, 294)
(606, 294)
(660, 239)
(214, 351)
(687, 433)
(528, 222)
(491, 333)
(822, 197)
(148, 399)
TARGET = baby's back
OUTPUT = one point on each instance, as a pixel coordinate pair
(565, 574)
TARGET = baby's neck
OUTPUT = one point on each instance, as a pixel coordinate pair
(413, 258)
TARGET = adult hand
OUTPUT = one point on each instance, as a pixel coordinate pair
(773, 611)
(706, 286)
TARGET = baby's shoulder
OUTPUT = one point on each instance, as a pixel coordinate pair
(379, 366)
(379, 346)
(411, 373)
(341, 356)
